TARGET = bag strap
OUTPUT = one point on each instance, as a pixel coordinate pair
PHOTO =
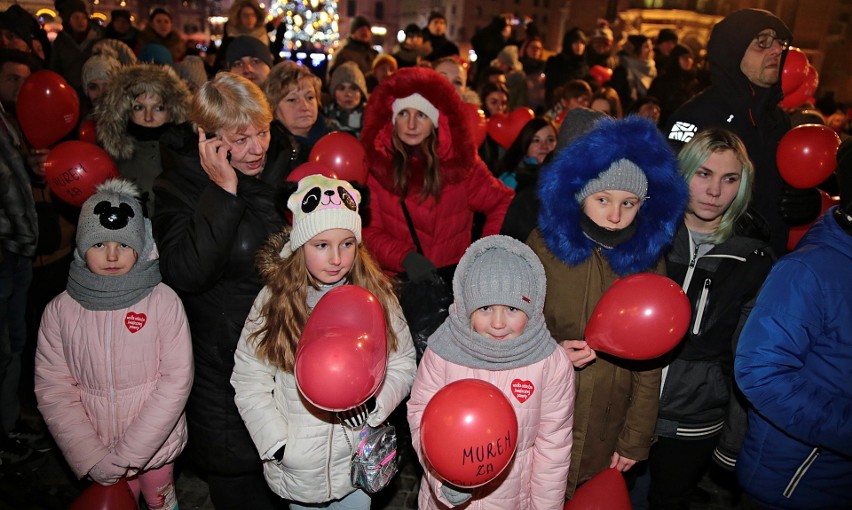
(411, 226)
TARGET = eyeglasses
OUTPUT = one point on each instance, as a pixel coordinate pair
(765, 41)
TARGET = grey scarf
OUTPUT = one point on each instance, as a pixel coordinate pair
(99, 292)
(457, 342)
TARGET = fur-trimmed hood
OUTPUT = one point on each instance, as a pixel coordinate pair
(113, 112)
(637, 140)
(456, 151)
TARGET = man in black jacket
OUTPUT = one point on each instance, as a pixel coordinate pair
(746, 52)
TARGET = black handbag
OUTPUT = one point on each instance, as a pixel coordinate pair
(425, 304)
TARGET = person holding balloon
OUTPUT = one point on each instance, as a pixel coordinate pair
(306, 449)
(496, 332)
(113, 366)
(141, 103)
(609, 207)
(216, 205)
(420, 153)
(721, 265)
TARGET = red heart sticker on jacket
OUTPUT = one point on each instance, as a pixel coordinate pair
(135, 321)
(522, 390)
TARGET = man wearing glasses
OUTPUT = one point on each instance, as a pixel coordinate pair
(746, 52)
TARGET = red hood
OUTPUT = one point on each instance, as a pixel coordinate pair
(456, 152)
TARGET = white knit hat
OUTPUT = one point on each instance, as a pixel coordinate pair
(417, 102)
(321, 204)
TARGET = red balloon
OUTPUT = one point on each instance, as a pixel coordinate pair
(601, 74)
(310, 168)
(804, 93)
(807, 155)
(47, 107)
(344, 154)
(504, 128)
(74, 170)
(117, 496)
(88, 132)
(469, 432)
(477, 122)
(641, 316)
(605, 491)
(796, 233)
(342, 354)
(795, 70)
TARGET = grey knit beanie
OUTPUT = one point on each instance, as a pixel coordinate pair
(351, 73)
(577, 122)
(622, 175)
(503, 273)
(113, 213)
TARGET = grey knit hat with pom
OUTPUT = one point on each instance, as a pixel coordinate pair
(113, 213)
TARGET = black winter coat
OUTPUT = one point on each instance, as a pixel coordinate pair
(207, 239)
(698, 397)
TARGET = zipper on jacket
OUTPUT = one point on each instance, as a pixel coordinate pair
(702, 305)
(800, 472)
(693, 249)
(110, 381)
(330, 456)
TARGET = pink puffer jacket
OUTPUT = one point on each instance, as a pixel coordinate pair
(115, 380)
(543, 400)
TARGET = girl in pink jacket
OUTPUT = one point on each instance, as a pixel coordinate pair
(496, 332)
(113, 365)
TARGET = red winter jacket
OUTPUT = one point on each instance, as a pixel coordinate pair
(467, 186)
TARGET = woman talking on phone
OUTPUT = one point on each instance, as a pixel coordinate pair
(215, 208)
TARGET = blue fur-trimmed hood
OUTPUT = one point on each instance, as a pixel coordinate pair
(635, 139)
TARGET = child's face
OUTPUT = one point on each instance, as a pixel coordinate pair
(612, 209)
(499, 322)
(330, 255)
(110, 258)
(347, 96)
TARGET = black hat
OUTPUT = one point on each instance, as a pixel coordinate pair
(413, 30)
(359, 22)
(436, 15)
(68, 7)
(119, 14)
(16, 23)
(158, 10)
(247, 46)
(665, 35)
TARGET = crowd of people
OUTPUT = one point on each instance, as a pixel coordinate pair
(160, 321)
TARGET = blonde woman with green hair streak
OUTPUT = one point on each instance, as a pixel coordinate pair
(721, 264)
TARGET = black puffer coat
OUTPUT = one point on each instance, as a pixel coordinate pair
(207, 240)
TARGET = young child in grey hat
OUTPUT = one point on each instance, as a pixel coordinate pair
(496, 332)
(114, 365)
(609, 207)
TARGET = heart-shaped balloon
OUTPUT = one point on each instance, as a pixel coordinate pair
(342, 353)
(601, 74)
(504, 128)
(795, 70)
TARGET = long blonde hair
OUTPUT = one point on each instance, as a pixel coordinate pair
(283, 316)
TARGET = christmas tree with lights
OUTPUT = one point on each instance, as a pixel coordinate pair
(306, 25)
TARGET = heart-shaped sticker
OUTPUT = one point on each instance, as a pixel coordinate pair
(522, 390)
(135, 321)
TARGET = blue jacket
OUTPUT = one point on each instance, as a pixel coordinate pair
(793, 364)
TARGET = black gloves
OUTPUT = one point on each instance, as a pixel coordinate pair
(799, 206)
(356, 417)
(417, 267)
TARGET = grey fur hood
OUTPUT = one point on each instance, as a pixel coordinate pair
(113, 111)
